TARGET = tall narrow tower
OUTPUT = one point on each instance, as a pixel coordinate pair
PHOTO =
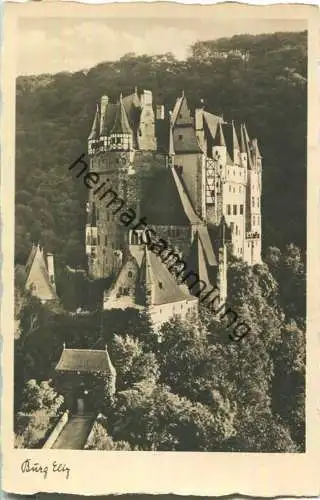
(110, 148)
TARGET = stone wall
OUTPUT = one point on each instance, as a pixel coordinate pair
(57, 430)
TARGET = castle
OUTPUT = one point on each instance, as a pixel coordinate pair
(195, 177)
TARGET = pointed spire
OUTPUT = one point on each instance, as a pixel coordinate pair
(248, 148)
(235, 137)
(121, 123)
(219, 139)
(243, 148)
(95, 130)
(256, 148)
(182, 93)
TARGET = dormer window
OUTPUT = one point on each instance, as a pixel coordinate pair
(160, 284)
(129, 274)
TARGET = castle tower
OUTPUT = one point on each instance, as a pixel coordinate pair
(253, 201)
(113, 162)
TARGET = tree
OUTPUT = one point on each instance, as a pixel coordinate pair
(39, 409)
(153, 418)
(131, 362)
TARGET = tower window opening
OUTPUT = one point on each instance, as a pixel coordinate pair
(228, 209)
(234, 209)
(241, 209)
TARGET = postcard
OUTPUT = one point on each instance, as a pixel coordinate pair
(160, 249)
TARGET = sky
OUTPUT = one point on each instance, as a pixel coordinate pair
(50, 45)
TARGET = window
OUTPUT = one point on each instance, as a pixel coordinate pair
(241, 209)
(253, 221)
(98, 239)
(234, 209)
(160, 284)
(236, 229)
(129, 274)
(180, 137)
(94, 241)
(252, 201)
(228, 209)
(234, 189)
(106, 240)
(258, 202)
(232, 226)
(118, 140)
(229, 188)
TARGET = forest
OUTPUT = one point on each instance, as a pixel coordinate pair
(55, 112)
(196, 390)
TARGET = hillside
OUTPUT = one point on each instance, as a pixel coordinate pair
(267, 90)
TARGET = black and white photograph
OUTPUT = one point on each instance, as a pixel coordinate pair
(160, 236)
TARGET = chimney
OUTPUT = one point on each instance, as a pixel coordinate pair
(50, 265)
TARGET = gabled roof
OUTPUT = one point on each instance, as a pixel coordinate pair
(85, 361)
(185, 200)
(197, 260)
(176, 109)
(121, 123)
(37, 276)
(177, 209)
(212, 122)
(165, 286)
(204, 237)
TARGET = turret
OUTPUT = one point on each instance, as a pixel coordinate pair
(219, 149)
(93, 138)
(121, 133)
(236, 147)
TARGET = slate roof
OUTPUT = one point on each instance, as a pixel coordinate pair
(176, 208)
(107, 119)
(231, 139)
(84, 360)
(37, 276)
(166, 288)
(95, 131)
(212, 122)
(121, 123)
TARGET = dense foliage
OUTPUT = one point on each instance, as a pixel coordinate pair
(54, 115)
(196, 389)
(38, 413)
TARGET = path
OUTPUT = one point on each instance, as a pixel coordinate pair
(75, 433)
